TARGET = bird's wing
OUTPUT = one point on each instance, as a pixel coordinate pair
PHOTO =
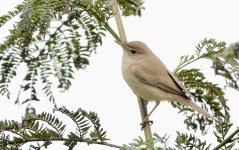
(184, 89)
(162, 79)
(160, 85)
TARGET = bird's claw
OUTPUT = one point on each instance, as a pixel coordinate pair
(144, 123)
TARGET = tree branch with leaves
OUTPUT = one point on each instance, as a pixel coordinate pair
(54, 39)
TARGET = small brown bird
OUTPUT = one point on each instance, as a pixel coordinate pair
(149, 78)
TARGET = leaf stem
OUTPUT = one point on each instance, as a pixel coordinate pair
(182, 66)
(112, 32)
(105, 24)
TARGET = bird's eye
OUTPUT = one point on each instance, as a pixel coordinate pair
(133, 51)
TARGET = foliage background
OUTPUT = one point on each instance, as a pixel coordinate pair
(175, 33)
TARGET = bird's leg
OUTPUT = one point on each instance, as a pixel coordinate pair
(145, 121)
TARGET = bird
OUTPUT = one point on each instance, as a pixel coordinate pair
(150, 79)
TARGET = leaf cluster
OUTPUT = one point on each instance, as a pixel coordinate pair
(207, 49)
(226, 139)
(182, 142)
(53, 39)
(45, 128)
(207, 94)
(185, 141)
(131, 7)
(159, 142)
(223, 128)
(226, 64)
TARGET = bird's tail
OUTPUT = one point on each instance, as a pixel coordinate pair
(197, 108)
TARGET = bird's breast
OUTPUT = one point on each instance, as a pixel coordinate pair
(140, 89)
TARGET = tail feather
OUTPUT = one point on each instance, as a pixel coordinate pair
(193, 105)
(199, 109)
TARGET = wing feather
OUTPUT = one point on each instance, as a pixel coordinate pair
(161, 78)
(184, 89)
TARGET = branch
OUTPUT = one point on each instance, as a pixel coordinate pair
(147, 130)
(63, 140)
(227, 140)
(118, 20)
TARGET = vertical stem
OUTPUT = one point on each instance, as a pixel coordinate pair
(147, 129)
(142, 103)
(118, 20)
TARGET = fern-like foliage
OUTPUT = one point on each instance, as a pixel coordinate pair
(53, 39)
(209, 95)
(9, 63)
(184, 141)
(131, 7)
(226, 65)
(207, 48)
(11, 14)
(84, 121)
(226, 138)
(138, 143)
(47, 128)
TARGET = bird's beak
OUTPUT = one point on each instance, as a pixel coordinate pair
(123, 45)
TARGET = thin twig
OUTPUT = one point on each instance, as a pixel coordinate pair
(63, 140)
(234, 139)
(227, 140)
(182, 66)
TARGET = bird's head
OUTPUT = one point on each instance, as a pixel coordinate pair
(135, 49)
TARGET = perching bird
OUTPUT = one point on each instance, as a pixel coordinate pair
(149, 78)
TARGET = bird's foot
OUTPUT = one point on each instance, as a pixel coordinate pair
(144, 123)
